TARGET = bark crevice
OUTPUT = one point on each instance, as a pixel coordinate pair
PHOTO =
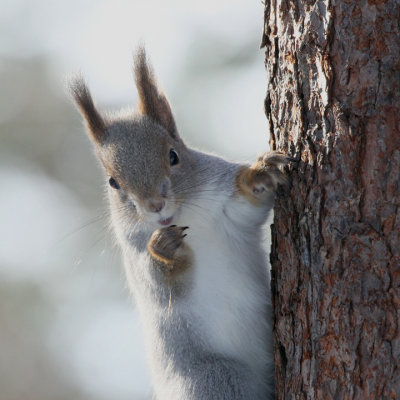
(333, 104)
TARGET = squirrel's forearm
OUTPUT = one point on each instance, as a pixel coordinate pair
(254, 191)
(260, 180)
(246, 186)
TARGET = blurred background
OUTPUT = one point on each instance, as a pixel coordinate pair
(68, 329)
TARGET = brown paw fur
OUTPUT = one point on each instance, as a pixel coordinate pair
(258, 181)
(167, 246)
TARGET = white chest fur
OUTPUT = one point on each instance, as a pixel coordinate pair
(229, 297)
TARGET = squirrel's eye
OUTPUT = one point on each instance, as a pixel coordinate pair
(113, 183)
(173, 157)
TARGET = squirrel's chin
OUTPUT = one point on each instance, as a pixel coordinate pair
(166, 222)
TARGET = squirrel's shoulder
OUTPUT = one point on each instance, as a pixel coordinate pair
(215, 167)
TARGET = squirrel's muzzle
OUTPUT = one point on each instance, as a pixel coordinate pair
(155, 205)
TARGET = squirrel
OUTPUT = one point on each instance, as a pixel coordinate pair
(190, 228)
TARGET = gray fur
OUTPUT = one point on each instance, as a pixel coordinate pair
(134, 150)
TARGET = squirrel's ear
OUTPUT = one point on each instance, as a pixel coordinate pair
(83, 99)
(152, 101)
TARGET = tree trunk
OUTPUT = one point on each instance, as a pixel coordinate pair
(333, 104)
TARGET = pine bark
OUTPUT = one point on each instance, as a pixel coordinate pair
(333, 104)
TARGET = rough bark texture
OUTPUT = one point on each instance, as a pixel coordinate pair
(333, 104)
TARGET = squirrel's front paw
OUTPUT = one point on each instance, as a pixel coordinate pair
(166, 245)
(258, 181)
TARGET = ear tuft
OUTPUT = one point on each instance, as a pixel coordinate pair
(83, 99)
(152, 101)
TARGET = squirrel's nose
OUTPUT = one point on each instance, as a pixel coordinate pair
(155, 205)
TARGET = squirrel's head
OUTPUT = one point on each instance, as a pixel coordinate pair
(142, 153)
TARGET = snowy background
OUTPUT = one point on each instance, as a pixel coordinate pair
(68, 328)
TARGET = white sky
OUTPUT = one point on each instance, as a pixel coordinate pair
(97, 37)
